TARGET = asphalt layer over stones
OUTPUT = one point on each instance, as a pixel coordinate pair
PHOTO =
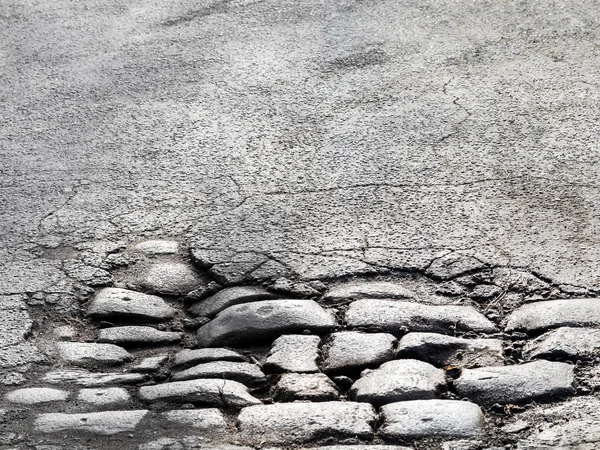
(305, 140)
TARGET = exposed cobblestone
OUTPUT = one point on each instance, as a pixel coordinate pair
(541, 316)
(189, 357)
(85, 354)
(315, 387)
(249, 374)
(293, 353)
(104, 396)
(137, 335)
(351, 350)
(126, 304)
(108, 422)
(30, 396)
(213, 305)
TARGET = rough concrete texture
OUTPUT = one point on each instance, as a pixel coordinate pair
(291, 141)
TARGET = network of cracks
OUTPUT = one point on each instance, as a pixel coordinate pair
(460, 356)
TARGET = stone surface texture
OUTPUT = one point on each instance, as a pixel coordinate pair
(247, 373)
(157, 247)
(306, 422)
(514, 384)
(103, 396)
(399, 380)
(293, 353)
(216, 303)
(31, 396)
(540, 316)
(107, 422)
(188, 357)
(316, 387)
(351, 350)
(137, 335)
(424, 418)
(124, 303)
(83, 353)
(207, 419)
(394, 316)
(442, 350)
(170, 278)
(368, 289)
(264, 320)
(85, 378)
(565, 342)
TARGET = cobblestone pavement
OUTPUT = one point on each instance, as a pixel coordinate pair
(168, 358)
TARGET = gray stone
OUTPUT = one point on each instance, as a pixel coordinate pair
(137, 335)
(31, 396)
(431, 418)
(202, 292)
(252, 323)
(293, 353)
(397, 316)
(453, 265)
(171, 278)
(86, 354)
(65, 333)
(361, 447)
(105, 423)
(515, 384)
(187, 443)
(157, 247)
(368, 289)
(126, 304)
(209, 419)
(85, 378)
(306, 422)
(189, 357)
(540, 316)
(316, 387)
(442, 350)
(247, 373)
(150, 364)
(565, 342)
(104, 396)
(210, 392)
(485, 291)
(518, 280)
(399, 380)
(351, 350)
(236, 295)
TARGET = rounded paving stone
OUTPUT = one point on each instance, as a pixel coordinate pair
(209, 419)
(104, 423)
(171, 278)
(137, 335)
(188, 357)
(293, 353)
(247, 373)
(103, 396)
(126, 304)
(31, 396)
(352, 350)
(84, 354)
(225, 298)
(316, 387)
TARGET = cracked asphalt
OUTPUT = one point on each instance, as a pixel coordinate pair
(317, 139)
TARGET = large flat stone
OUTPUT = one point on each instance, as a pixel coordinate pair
(541, 316)
(293, 353)
(260, 321)
(351, 350)
(150, 364)
(368, 289)
(106, 423)
(31, 396)
(396, 317)
(171, 278)
(208, 419)
(225, 298)
(247, 373)
(442, 350)
(210, 392)
(306, 422)
(85, 378)
(514, 384)
(565, 342)
(137, 335)
(103, 396)
(431, 418)
(316, 387)
(399, 380)
(188, 357)
(85, 354)
(126, 304)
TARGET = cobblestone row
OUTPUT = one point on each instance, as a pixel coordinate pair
(357, 364)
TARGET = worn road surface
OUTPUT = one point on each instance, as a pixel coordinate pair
(303, 139)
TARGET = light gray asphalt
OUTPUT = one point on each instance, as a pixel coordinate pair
(321, 137)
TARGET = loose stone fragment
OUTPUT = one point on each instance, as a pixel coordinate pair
(213, 305)
(107, 422)
(351, 350)
(565, 342)
(453, 265)
(368, 289)
(316, 387)
(305, 422)
(189, 357)
(103, 396)
(137, 335)
(249, 374)
(514, 384)
(209, 419)
(210, 392)
(431, 418)
(150, 364)
(83, 353)
(123, 303)
(31, 396)
(293, 353)
(85, 378)
(157, 247)
(540, 316)
(171, 279)
(396, 316)
(251, 323)
(399, 380)
(442, 350)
